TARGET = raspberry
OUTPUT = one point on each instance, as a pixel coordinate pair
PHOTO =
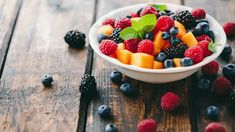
(170, 101)
(122, 23)
(107, 47)
(109, 21)
(198, 13)
(164, 23)
(147, 125)
(221, 86)
(148, 10)
(215, 127)
(133, 15)
(155, 30)
(132, 44)
(146, 46)
(195, 53)
(229, 29)
(211, 68)
(204, 45)
(203, 37)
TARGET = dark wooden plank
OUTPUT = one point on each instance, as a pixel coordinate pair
(37, 48)
(221, 10)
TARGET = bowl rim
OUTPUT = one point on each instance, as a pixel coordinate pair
(97, 24)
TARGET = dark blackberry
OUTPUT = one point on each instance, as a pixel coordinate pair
(116, 35)
(176, 51)
(87, 86)
(186, 18)
(75, 39)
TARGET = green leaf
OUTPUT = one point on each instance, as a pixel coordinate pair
(147, 22)
(212, 46)
(128, 33)
(141, 34)
(159, 7)
(135, 25)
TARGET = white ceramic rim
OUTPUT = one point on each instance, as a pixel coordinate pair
(94, 42)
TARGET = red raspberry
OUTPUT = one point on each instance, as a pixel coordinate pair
(147, 125)
(132, 44)
(164, 23)
(122, 23)
(107, 47)
(145, 46)
(221, 86)
(211, 68)
(229, 29)
(109, 21)
(198, 13)
(170, 101)
(133, 15)
(203, 37)
(195, 53)
(215, 127)
(148, 10)
(204, 45)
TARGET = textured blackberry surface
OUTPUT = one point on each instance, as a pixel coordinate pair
(176, 51)
(116, 35)
(88, 86)
(75, 39)
(186, 18)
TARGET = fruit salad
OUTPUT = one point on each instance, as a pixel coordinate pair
(155, 37)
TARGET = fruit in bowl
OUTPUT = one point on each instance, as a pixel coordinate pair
(149, 42)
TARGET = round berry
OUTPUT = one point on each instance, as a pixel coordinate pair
(75, 39)
(168, 63)
(47, 80)
(101, 37)
(170, 101)
(204, 85)
(165, 36)
(215, 127)
(211, 68)
(104, 111)
(199, 13)
(149, 36)
(213, 112)
(186, 61)
(116, 77)
(174, 31)
(221, 86)
(107, 47)
(203, 27)
(164, 23)
(229, 72)
(147, 125)
(195, 53)
(127, 89)
(174, 41)
(146, 46)
(161, 57)
(111, 128)
(226, 51)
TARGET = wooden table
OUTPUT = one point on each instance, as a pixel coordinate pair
(31, 44)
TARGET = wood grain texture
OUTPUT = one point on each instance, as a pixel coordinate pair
(38, 48)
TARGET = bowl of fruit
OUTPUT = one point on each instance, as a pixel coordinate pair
(157, 42)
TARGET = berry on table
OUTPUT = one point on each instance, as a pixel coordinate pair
(215, 127)
(195, 53)
(146, 46)
(168, 63)
(204, 45)
(88, 86)
(164, 23)
(107, 47)
(101, 37)
(186, 61)
(75, 39)
(111, 128)
(161, 57)
(115, 36)
(227, 51)
(170, 101)
(122, 23)
(47, 80)
(149, 36)
(148, 10)
(198, 13)
(109, 21)
(229, 72)
(116, 77)
(204, 85)
(221, 86)
(128, 90)
(165, 36)
(186, 18)
(213, 113)
(132, 44)
(174, 31)
(229, 29)
(176, 51)
(211, 68)
(104, 111)
(147, 125)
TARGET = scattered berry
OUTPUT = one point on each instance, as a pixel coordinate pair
(211, 68)
(176, 51)
(111, 128)
(87, 86)
(101, 37)
(229, 72)
(146, 46)
(148, 10)
(174, 41)
(203, 37)
(132, 44)
(174, 31)
(109, 21)
(161, 57)
(204, 45)
(195, 53)
(75, 39)
(147, 125)
(198, 13)
(170, 101)
(164, 23)
(47, 80)
(165, 36)
(127, 89)
(215, 127)
(107, 47)
(227, 51)
(104, 111)
(204, 85)
(122, 23)
(213, 113)
(221, 86)
(115, 36)
(116, 77)
(186, 61)
(229, 29)
(168, 63)
(186, 18)
(149, 36)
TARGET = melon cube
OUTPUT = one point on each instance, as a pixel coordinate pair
(182, 30)
(177, 62)
(142, 60)
(158, 43)
(124, 56)
(106, 29)
(158, 65)
(189, 39)
(121, 46)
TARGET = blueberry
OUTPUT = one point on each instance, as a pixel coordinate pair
(174, 41)
(47, 80)
(149, 36)
(213, 112)
(174, 31)
(104, 111)
(201, 28)
(168, 63)
(211, 35)
(116, 77)
(161, 57)
(165, 36)
(204, 85)
(127, 89)
(186, 61)
(111, 128)
(101, 37)
(229, 72)
(202, 20)
(226, 51)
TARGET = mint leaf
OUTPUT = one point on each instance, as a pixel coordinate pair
(135, 25)
(141, 34)
(148, 22)
(128, 33)
(212, 46)
(159, 7)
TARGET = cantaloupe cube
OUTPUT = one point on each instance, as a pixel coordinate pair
(182, 30)
(121, 46)
(124, 56)
(158, 65)
(177, 62)
(189, 39)
(142, 60)
(158, 43)
(106, 29)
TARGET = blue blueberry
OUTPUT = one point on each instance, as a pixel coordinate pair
(201, 28)
(174, 41)
(204, 85)
(211, 35)
(229, 72)
(149, 36)
(104, 111)
(186, 61)
(213, 112)
(168, 63)
(127, 89)
(116, 77)
(111, 128)
(101, 37)
(161, 57)
(226, 51)
(47, 80)
(174, 31)
(165, 36)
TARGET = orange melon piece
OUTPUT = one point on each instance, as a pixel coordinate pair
(124, 56)
(182, 30)
(158, 43)
(158, 65)
(142, 60)
(121, 46)
(177, 62)
(189, 39)
(106, 29)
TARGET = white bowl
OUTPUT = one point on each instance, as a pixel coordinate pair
(156, 75)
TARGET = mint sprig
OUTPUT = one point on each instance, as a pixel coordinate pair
(159, 7)
(212, 46)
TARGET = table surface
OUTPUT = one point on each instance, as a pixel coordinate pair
(31, 44)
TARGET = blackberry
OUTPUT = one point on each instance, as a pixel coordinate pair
(75, 39)
(116, 35)
(186, 18)
(87, 86)
(176, 51)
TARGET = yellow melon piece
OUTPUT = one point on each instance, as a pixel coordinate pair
(177, 62)
(158, 65)
(189, 39)
(106, 29)
(158, 43)
(121, 46)
(142, 60)
(124, 56)
(182, 30)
